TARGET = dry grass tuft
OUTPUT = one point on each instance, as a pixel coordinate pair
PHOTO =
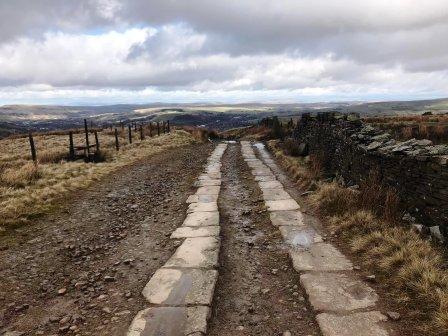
(51, 156)
(305, 172)
(331, 199)
(21, 177)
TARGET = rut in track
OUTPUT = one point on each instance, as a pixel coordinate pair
(258, 292)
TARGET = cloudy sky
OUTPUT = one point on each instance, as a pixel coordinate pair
(143, 51)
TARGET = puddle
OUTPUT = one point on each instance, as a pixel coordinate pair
(259, 145)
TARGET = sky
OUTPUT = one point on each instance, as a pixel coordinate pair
(231, 51)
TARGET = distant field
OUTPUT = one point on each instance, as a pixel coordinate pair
(28, 190)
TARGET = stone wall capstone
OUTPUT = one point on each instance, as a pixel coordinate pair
(416, 169)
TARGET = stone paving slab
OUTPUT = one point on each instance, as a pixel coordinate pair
(337, 292)
(203, 183)
(265, 178)
(187, 287)
(170, 321)
(275, 194)
(299, 237)
(261, 172)
(283, 218)
(210, 176)
(208, 190)
(195, 231)
(288, 204)
(202, 198)
(199, 252)
(359, 324)
(202, 207)
(270, 185)
(202, 219)
(319, 257)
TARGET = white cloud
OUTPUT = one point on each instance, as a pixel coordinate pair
(235, 48)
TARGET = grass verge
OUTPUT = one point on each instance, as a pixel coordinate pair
(411, 268)
(28, 191)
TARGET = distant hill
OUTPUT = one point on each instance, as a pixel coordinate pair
(22, 118)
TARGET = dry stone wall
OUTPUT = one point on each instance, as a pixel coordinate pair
(417, 169)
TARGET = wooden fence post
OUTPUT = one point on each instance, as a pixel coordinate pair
(164, 127)
(33, 148)
(135, 127)
(130, 133)
(158, 128)
(168, 125)
(86, 130)
(150, 129)
(97, 142)
(142, 136)
(71, 146)
(117, 144)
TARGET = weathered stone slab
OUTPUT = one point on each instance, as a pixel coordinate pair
(270, 185)
(319, 257)
(202, 207)
(195, 231)
(186, 287)
(208, 190)
(300, 237)
(275, 194)
(203, 183)
(259, 167)
(288, 204)
(199, 252)
(202, 198)
(265, 178)
(283, 218)
(202, 219)
(192, 199)
(359, 324)
(337, 292)
(170, 321)
(210, 176)
(262, 172)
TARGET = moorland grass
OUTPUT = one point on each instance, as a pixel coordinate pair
(29, 190)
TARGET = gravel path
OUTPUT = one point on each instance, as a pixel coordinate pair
(81, 271)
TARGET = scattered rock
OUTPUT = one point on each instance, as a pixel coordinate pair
(393, 315)
(371, 278)
(62, 291)
(109, 278)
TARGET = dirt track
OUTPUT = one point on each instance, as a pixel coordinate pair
(258, 292)
(99, 250)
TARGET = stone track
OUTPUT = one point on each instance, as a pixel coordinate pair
(345, 305)
(180, 293)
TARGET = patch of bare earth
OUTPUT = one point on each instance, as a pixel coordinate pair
(80, 271)
(258, 291)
